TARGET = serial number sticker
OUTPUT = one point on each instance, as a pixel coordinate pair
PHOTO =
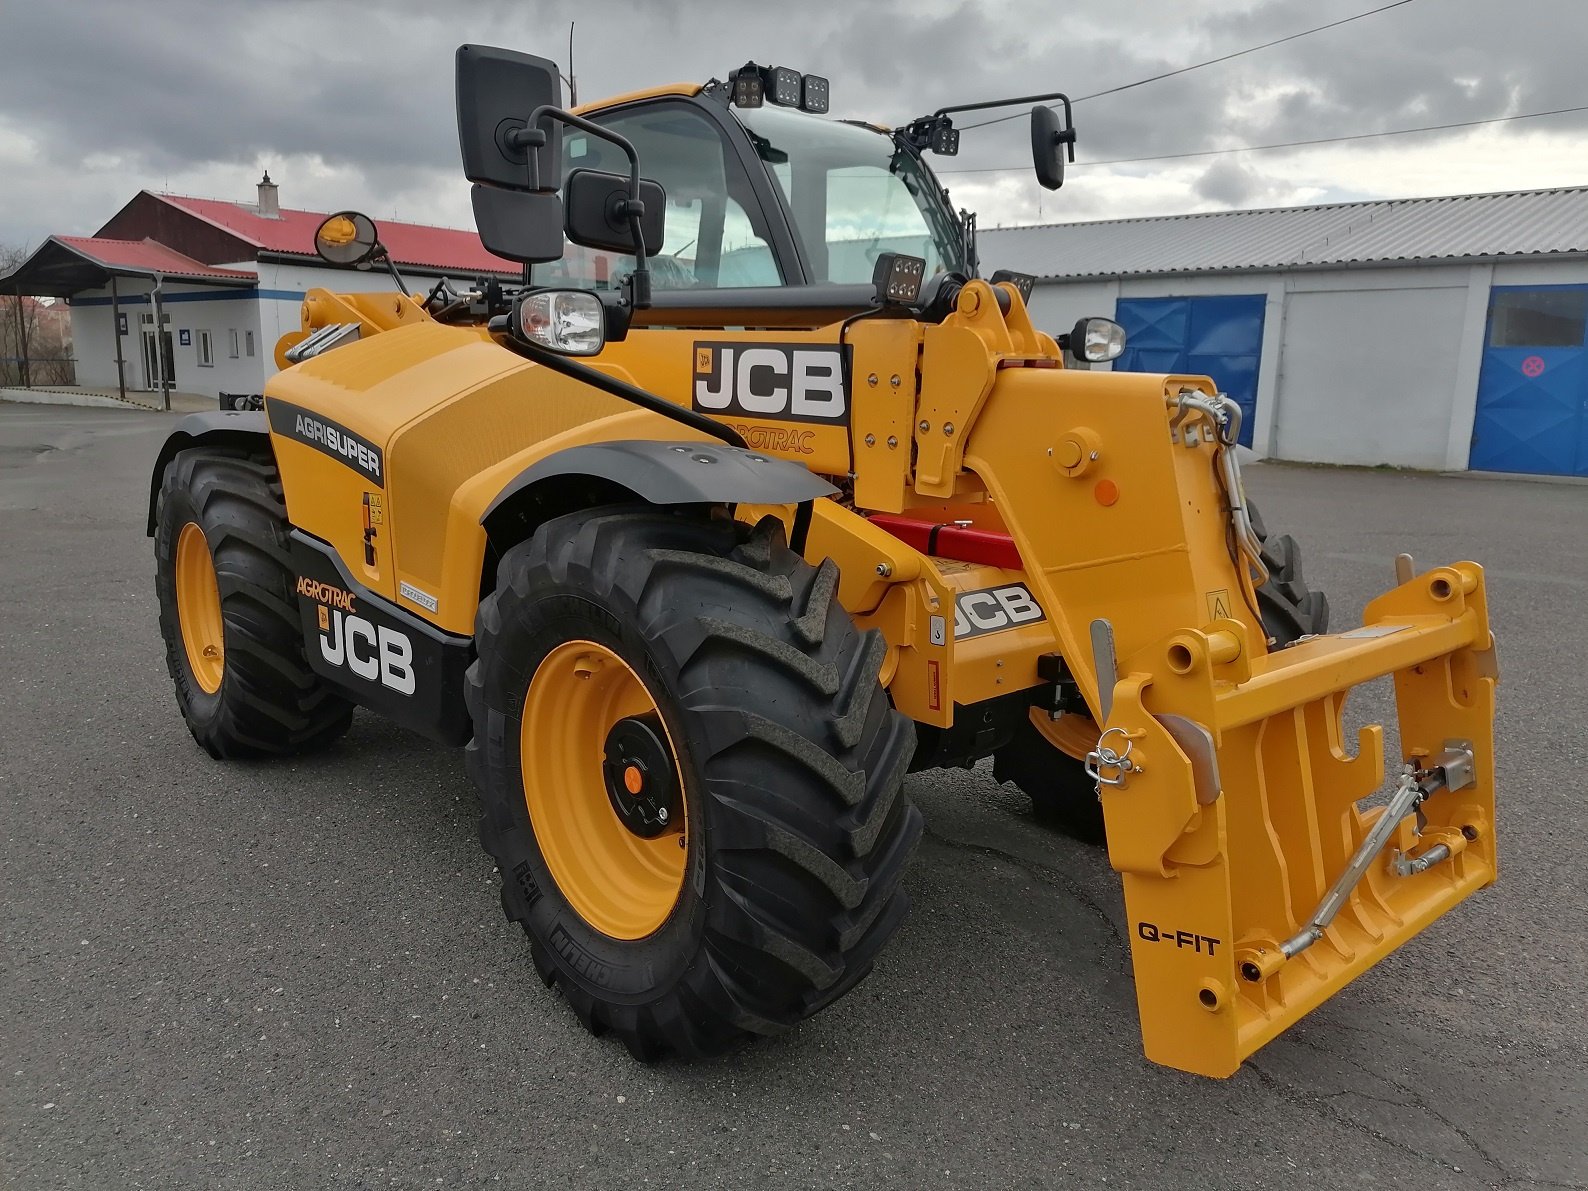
(1374, 630)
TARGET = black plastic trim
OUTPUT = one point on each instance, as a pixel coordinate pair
(436, 659)
(675, 473)
(207, 425)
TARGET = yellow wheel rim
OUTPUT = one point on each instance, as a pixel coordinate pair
(582, 700)
(198, 609)
(1075, 735)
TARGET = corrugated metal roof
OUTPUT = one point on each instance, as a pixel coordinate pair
(1517, 223)
(293, 232)
(149, 256)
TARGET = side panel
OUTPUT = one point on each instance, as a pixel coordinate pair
(387, 659)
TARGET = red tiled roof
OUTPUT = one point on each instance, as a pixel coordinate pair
(408, 243)
(148, 256)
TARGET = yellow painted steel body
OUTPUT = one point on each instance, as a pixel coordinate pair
(1117, 515)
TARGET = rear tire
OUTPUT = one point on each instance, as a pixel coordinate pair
(792, 764)
(259, 696)
(1062, 795)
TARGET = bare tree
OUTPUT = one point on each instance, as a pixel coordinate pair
(35, 339)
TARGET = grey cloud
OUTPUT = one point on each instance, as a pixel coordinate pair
(179, 88)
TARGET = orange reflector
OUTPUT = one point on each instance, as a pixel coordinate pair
(633, 779)
(1107, 492)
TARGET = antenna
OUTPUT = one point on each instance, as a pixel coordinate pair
(573, 85)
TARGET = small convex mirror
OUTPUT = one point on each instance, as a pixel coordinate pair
(570, 322)
(346, 238)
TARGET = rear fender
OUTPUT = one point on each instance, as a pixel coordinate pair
(216, 427)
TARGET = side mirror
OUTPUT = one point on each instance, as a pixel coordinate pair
(519, 225)
(516, 206)
(1095, 340)
(570, 322)
(597, 209)
(347, 238)
(1051, 144)
(497, 91)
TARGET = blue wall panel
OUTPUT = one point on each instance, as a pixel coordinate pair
(1221, 337)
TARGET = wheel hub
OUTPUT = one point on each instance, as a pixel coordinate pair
(640, 778)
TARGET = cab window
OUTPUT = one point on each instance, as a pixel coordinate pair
(715, 235)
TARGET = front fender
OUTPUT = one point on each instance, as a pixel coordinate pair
(218, 426)
(672, 473)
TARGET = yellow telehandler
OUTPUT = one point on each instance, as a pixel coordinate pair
(745, 496)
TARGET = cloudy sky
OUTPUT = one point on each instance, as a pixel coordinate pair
(350, 105)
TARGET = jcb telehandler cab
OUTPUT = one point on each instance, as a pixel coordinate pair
(747, 497)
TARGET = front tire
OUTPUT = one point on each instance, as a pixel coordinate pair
(233, 638)
(772, 884)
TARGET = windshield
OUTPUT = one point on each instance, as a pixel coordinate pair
(853, 195)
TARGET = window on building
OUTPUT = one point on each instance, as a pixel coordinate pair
(248, 341)
(232, 335)
(206, 350)
(1538, 317)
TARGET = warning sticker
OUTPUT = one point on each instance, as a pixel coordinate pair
(1219, 607)
(1533, 366)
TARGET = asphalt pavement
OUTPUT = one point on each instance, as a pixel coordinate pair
(296, 973)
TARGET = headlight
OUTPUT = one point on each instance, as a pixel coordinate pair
(570, 321)
(1095, 340)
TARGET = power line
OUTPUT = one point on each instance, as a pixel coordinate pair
(1169, 74)
(1323, 140)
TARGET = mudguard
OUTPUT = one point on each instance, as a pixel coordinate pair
(212, 426)
(674, 473)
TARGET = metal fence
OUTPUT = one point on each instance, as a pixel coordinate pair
(37, 371)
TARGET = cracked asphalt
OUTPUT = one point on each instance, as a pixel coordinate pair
(296, 973)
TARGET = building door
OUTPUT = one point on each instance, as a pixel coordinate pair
(153, 376)
(1221, 337)
(1532, 413)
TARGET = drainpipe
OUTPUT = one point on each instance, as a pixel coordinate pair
(115, 329)
(159, 345)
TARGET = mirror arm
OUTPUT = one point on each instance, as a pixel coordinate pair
(1004, 103)
(532, 135)
(379, 253)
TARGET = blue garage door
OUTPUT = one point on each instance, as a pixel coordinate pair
(1532, 413)
(1220, 337)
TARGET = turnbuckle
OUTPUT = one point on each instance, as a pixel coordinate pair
(1452, 770)
(1103, 757)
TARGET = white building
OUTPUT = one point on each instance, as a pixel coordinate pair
(1441, 333)
(226, 280)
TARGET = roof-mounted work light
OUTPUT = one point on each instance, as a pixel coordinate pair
(936, 133)
(898, 279)
(753, 85)
(813, 97)
(748, 89)
(784, 87)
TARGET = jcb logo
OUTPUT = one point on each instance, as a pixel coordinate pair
(800, 382)
(374, 653)
(994, 608)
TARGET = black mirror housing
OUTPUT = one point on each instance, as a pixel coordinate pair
(497, 91)
(520, 225)
(1048, 142)
(597, 212)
